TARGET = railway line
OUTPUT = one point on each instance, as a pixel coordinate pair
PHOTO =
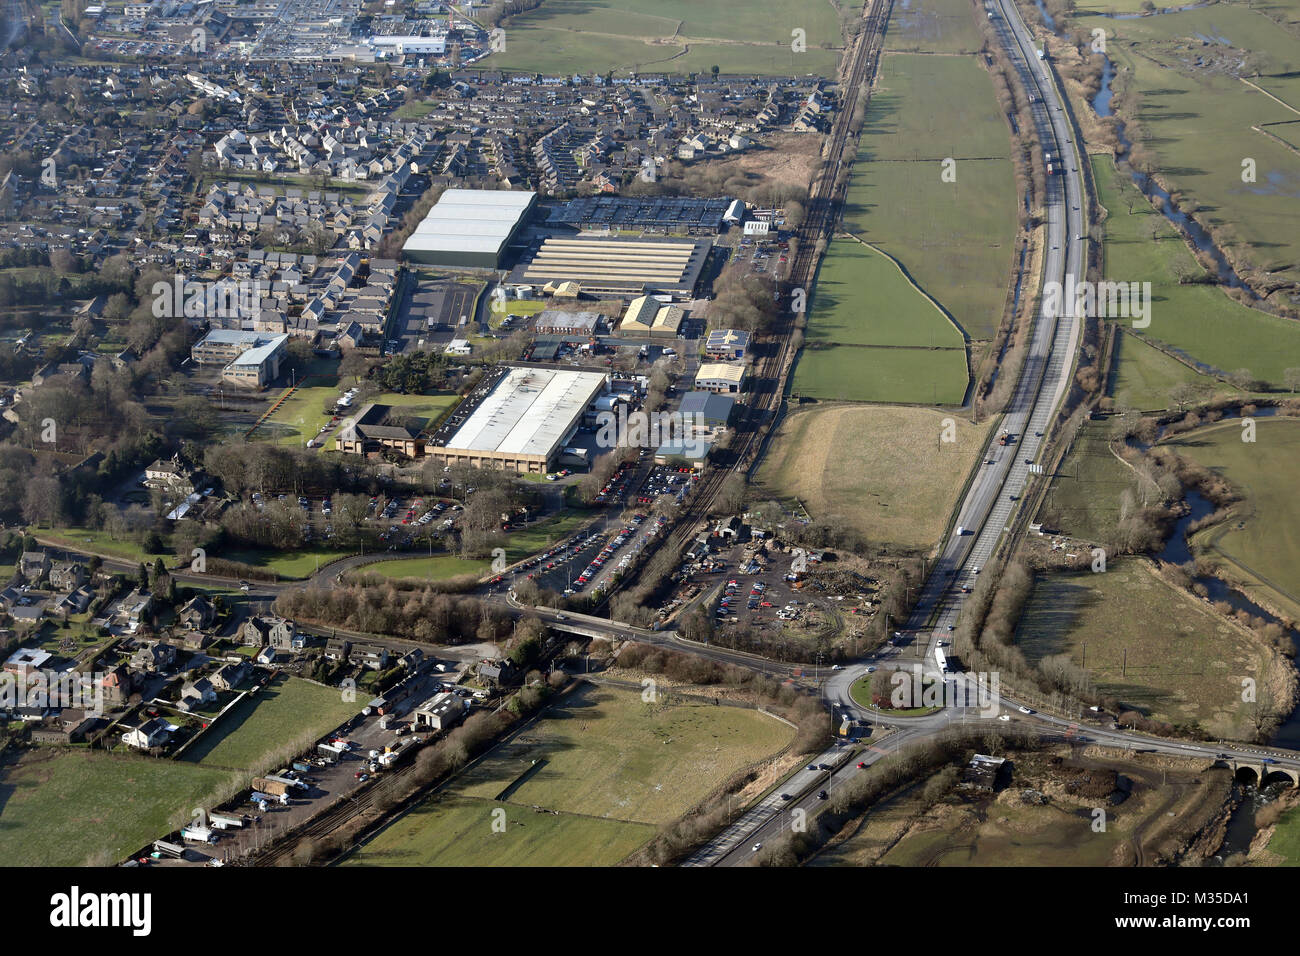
(774, 349)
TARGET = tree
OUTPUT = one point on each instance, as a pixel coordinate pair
(1292, 379)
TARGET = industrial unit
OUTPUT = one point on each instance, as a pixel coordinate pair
(625, 268)
(469, 228)
(722, 377)
(525, 420)
(646, 316)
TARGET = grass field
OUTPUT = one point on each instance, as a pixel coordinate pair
(603, 767)
(77, 808)
(1198, 119)
(1144, 376)
(866, 374)
(437, 568)
(279, 714)
(1285, 841)
(892, 312)
(1259, 544)
(302, 415)
(289, 564)
(1200, 321)
(1184, 663)
(452, 830)
(1086, 496)
(882, 471)
(955, 239)
(934, 26)
(674, 36)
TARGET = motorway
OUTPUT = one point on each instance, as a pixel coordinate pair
(986, 509)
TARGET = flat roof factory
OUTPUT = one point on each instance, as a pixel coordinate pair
(616, 267)
(524, 421)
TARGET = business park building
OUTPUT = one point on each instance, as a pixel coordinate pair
(519, 420)
(469, 228)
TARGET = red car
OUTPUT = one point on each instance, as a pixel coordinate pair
(862, 765)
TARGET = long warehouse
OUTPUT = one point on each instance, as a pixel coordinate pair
(524, 422)
(618, 267)
(469, 227)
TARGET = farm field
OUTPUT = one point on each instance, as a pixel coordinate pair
(1259, 543)
(1152, 646)
(1198, 118)
(585, 786)
(452, 830)
(867, 374)
(675, 36)
(1285, 842)
(286, 712)
(1144, 376)
(881, 470)
(1199, 321)
(934, 26)
(1087, 491)
(76, 808)
(955, 239)
(862, 298)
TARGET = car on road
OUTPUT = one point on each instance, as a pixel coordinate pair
(862, 765)
(871, 669)
(823, 795)
(756, 847)
(243, 585)
(812, 766)
(561, 617)
(1024, 710)
(786, 796)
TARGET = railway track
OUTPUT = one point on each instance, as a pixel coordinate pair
(775, 348)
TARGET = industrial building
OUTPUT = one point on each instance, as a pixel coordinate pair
(469, 228)
(371, 432)
(726, 345)
(250, 359)
(648, 317)
(668, 214)
(570, 324)
(710, 411)
(609, 266)
(524, 420)
(722, 377)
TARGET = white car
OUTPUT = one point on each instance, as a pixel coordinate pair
(1024, 710)
(1004, 716)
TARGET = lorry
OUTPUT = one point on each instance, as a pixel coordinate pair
(224, 821)
(302, 766)
(1006, 438)
(262, 799)
(331, 751)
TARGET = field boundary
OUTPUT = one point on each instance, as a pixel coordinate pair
(902, 270)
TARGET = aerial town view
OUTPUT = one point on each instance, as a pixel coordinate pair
(648, 433)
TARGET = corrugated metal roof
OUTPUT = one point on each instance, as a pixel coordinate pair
(529, 412)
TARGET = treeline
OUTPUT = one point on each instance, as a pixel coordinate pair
(408, 609)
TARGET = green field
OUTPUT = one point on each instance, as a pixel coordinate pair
(301, 416)
(452, 830)
(1088, 489)
(285, 712)
(933, 26)
(954, 238)
(674, 36)
(880, 470)
(1259, 543)
(97, 542)
(1285, 841)
(1197, 118)
(858, 374)
(76, 808)
(437, 568)
(584, 786)
(1144, 376)
(1198, 320)
(891, 312)
(1151, 645)
(289, 564)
